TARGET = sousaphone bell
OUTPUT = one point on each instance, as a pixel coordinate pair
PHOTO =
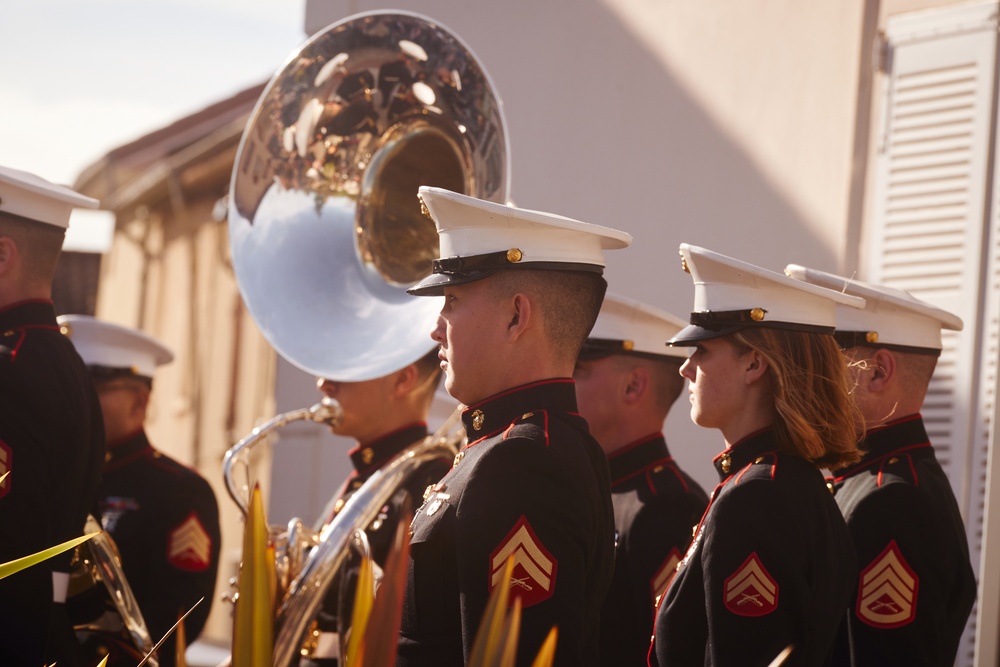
(326, 235)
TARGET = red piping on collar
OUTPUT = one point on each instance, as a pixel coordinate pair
(362, 445)
(902, 451)
(514, 390)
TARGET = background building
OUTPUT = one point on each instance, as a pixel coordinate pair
(855, 136)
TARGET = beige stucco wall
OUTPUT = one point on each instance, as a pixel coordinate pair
(221, 380)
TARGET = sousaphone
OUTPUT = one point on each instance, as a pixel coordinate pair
(325, 226)
(326, 235)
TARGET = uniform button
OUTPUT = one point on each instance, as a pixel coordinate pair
(829, 487)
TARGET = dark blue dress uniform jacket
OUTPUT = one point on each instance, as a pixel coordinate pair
(367, 459)
(165, 520)
(772, 564)
(531, 483)
(916, 586)
(656, 507)
(52, 443)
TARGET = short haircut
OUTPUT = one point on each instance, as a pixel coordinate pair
(39, 245)
(913, 369)
(917, 369)
(817, 418)
(666, 382)
(569, 300)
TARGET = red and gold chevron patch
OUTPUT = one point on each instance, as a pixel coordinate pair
(189, 546)
(534, 576)
(750, 590)
(662, 576)
(6, 459)
(887, 590)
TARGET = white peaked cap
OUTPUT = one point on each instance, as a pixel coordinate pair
(730, 294)
(32, 197)
(626, 326)
(112, 346)
(890, 318)
(478, 238)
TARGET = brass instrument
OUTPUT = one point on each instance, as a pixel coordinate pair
(325, 226)
(101, 605)
(326, 234)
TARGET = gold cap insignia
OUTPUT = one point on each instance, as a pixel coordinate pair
(757, 314)
(684, 264)
(628, 345)
(423, 207)
(726, 462)
(367, 455)
(871, 337)
(514, 255)
(477, 419)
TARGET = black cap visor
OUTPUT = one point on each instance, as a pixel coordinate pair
(708, 324)
(461, 270)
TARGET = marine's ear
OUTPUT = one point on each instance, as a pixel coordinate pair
(755, 366)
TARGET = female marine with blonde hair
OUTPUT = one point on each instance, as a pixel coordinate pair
(771, 566)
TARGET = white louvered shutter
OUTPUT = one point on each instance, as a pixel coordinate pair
(930, 231)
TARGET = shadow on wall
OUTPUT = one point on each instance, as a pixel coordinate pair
(601, 131)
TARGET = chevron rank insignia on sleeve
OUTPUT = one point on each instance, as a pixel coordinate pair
(662, 577)
(189, 546)
(534, 576)
(887, 590)
(751, 591)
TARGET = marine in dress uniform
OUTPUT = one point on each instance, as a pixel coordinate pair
(162, 515)
(386, 415)
(522, 290)
(916, 586)
(771, 564)
(626, 382)
(51, 435)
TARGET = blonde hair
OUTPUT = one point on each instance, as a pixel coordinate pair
(817, 417)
